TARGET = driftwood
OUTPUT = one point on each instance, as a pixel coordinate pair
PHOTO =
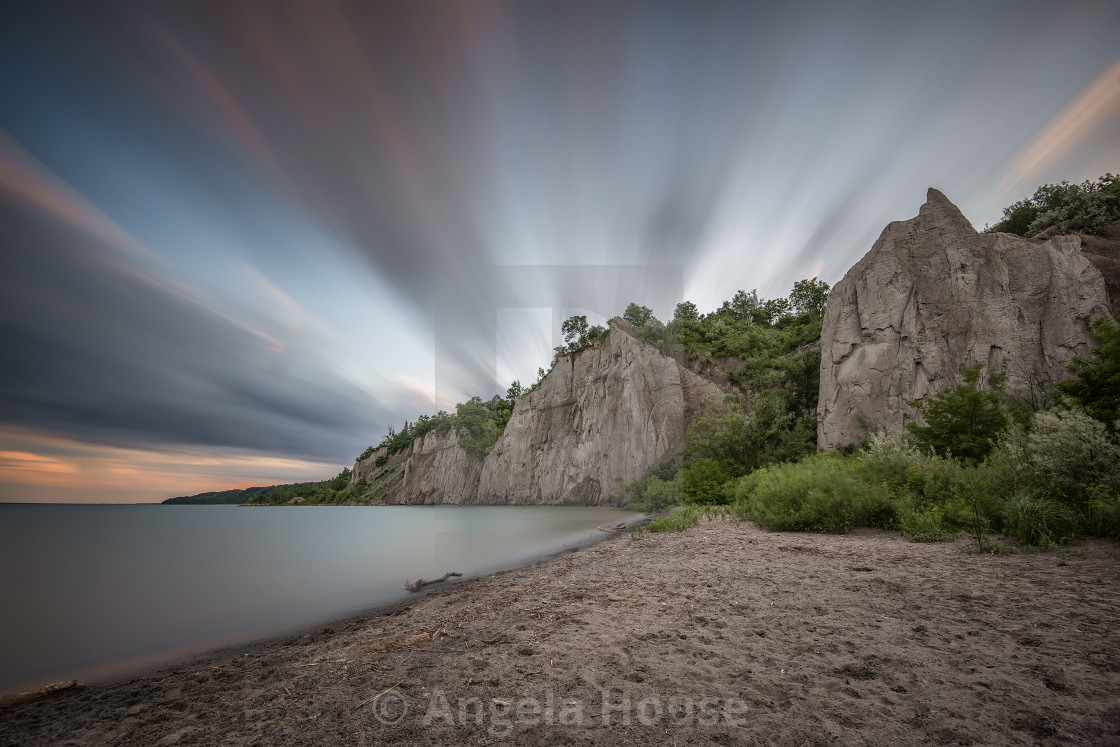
(40, 692)
(613, 529)
(420, 583)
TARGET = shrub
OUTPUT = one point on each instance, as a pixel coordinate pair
(818, 494)
(661, 488)
(1095, 385)
(702, 481)
(964, 420)
(887, 460)
(1059, 208)
(1037, 521)
(1103, 516)
(1066, 454)
(1073, 452)
(923, 524)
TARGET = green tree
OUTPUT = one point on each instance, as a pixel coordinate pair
(637, 315)
(574, 329)
(743, 437)
(1096, 383)
(577, 334)
(964, 420)
(477, 426)
(686, 311)
(703, 481)
(809, 296)
(339, 481)
(513, 392)
(771, 311)
(742, 305)
(1088, 207)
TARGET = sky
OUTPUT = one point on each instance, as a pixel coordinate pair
(238, 240)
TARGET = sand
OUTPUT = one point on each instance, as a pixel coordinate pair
(725, 634)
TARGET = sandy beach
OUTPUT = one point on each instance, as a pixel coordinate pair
(725, 634)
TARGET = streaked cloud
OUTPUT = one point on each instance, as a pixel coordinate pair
(272, 228)
(1097, 105)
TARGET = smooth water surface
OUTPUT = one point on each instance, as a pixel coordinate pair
(95, 592)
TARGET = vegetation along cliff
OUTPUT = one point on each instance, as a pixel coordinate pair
(987, 360)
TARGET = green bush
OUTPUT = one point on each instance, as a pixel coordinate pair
(703, 480)
(1095, 385)
(818, 494)
(963, 421)
(662, 487)
(887, 460)
(1066, 454)
(924, 524)
(1060, 208)
(1037, 521)
(1103, 516)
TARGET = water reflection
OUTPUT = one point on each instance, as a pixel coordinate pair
(95, 592)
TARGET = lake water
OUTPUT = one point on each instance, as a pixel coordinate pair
(99, 592)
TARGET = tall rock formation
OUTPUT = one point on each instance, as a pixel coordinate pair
(439, 470)
(603, 416)
(933, 296)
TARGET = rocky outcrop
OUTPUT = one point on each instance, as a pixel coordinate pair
(603, 416)
(933, 296)
(439, 470)
(365, 470)
(1104, 252)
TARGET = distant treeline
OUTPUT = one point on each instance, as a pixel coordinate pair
(236, 496)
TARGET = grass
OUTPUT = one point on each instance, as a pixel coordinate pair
(680, 519)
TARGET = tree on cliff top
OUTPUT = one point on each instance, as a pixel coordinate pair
(1060, 208)
(637, 316)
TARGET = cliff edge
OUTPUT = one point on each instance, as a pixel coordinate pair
(603, 416)
(932, 296)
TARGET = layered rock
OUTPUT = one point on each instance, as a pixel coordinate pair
(603, 416)
(439, 470)
(1104, 252)
(933, 296)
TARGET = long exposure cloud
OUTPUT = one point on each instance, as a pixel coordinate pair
(282, 226)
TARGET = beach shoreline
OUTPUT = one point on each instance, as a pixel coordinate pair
(724, 633)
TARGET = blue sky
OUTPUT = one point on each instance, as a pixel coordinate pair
(241, 239)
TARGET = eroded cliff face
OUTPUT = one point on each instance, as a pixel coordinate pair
(439, 470)
(933, 296)
(603, 416)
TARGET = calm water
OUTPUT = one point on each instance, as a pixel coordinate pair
(96, 592)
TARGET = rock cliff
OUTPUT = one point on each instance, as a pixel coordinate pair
(603, 416)
(933, 296)
(439, 470)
